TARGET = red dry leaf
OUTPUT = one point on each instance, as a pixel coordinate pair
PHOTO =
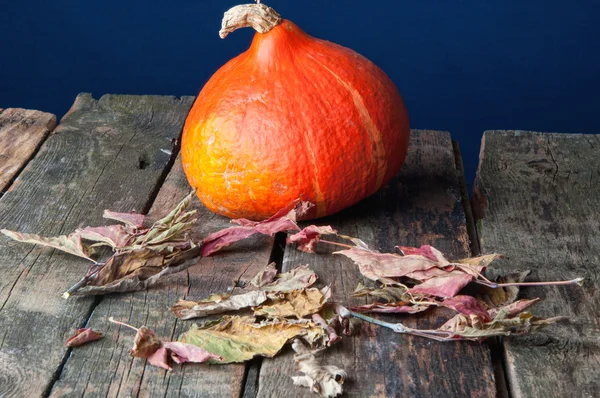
(284, 220)
(82, 336)
(426, 251)
(114, 236)
(309, 236)
(467, 305)
(443, 286)
(515, 307)
(147, 345)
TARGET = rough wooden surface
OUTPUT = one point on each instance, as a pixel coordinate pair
(21, 133)
(104, 154)
(105, 368)
(536, 199)
(421, 206)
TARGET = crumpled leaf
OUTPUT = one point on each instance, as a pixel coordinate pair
(67, 243)
(309, 236)
(429, 252)
(238, 339)
(132, 219)
(513, 308)
(83, 336)
(266, 276)
(467, 305)
(145, 271)
(325, 380)
(298, 278)
(114, 236)
(148, 346)
(387, 293)
(184, 309)
(296, 303)
(443, 286)
(333, 336)
(284, 220)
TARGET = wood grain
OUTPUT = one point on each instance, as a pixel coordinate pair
(536, 199)
(106, 368)
(105, 154)
(21, 133)
(422, 205)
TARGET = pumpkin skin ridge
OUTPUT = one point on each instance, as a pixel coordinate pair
(216, 154)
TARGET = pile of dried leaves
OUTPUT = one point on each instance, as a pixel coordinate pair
(278, 308)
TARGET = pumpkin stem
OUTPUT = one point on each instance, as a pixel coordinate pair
(258, 16)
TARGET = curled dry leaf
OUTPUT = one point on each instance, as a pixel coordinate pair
(296, 303)
(148, 346)
(392, 308)
(184, 309)
(500, 296)
(238, 339)
(82, 336)
(467, 305)
(134, 220)
(325, 380)
(284, 220)
(264, 277)
(387, 293)
(298, 278)
(333, 336)
(309, 236)
(67, 243)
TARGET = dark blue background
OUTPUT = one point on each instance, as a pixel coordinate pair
(463, 66)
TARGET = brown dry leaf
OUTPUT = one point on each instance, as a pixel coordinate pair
(264, 277)
(114, 236)
(387, 293)
(67, 243)
(184, 309)
(325, 380)
(144, 272)
(284, 220)
(148, 346)
(309, 236)
(300, 277)
(297, 303)
(82, 336)
(238, 339)
(134, 220)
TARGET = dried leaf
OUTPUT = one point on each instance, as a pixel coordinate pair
(238, 339)
(309, 236)
(145, 343)
(333, 336)
(429, 252)
(325, 380)
(82, 336)
(284, 220)
(265, 276)
(387, 293)
(382, 266)
(298, 278)
(467, 305)
(184, 309)
(67, 243)
(514, 308)
(132, 219)
(481, 261)
(141, 263)
(181, 353)
(297, 303)
(140, 278)
(443, 286)
(114, 236)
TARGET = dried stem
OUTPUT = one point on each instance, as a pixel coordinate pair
(111, 319)
(257, 16)
(576, 281)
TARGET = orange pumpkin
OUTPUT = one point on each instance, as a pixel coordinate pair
(292, 117)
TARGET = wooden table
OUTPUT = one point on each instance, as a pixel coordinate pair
(536, 199)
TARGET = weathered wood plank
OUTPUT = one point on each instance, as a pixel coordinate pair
(105, 368)
(536, 199)
(21, 133)
(104, 154)
(423, 205)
